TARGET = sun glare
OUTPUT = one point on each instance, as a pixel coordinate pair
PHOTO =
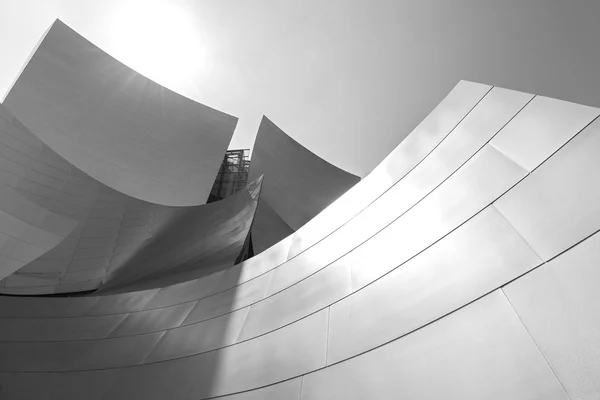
(161, 40)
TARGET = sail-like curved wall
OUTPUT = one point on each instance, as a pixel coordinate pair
(118, 126)
(89, 235)
(298, 184)
(464, 267)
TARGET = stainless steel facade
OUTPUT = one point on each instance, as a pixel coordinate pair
(298, 185)
(63, 231)
(83, 196)
(463, 267)
(118, 126)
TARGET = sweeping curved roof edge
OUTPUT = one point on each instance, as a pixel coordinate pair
(116, 125)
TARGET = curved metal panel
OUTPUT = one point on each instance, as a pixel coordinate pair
(27, 231)
(423, 139)
(128, 302)
(271, 358)
(89, 385)
(268, 228)
(194, 242)
(186, 377)
(96, 235)
(477, 258)
(58, 329)
(298, 184)
(541, 129)
(151, 320)
(118, 126)
(189, 291)
(230, 280)
(481, 180)
(200, 337)
(479, 352)
(286, 390)
(76, 355)
(472, 88)
(559, 304)
(557, 205)
(387, 306)
(485, 120)
(232, 299)
(310, 295)
(487, 177)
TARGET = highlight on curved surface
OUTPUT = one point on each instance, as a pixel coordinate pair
(118, 126)
(27, 231)
(298, 184)
(464, 267)
(268, 228)
(72, 233)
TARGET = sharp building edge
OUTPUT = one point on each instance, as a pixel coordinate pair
(118, 126)
(298, 185)
(465, 266)
(66, 232)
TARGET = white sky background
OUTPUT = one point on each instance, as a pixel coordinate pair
(349, 79)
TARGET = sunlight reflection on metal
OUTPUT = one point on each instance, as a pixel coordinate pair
(433, 277)
(118, 126)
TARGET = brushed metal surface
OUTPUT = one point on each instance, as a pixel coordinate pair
(282, 354)
(477, 258)
(200, 337)
(477, 184)
(285, 390)
(152, 320)
(118, 126)
(541, 128)
(192, 244)
(76, 355)
(35, 307)
(85, 234)
(398, 316)
(559, 203)
(128, 302)
(58, 386)
(268, 228)
(58, 329)
(487, 118)
(310, 295)
(237, 297)
(559, 304)
(466, 193)
(298, 185)
(422, 140)
(27, 231)
(175, 379)
(480, 352)
(188, 291)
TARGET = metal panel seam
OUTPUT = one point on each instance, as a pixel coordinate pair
(534, 342)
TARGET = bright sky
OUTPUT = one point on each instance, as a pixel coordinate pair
(348, 79)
